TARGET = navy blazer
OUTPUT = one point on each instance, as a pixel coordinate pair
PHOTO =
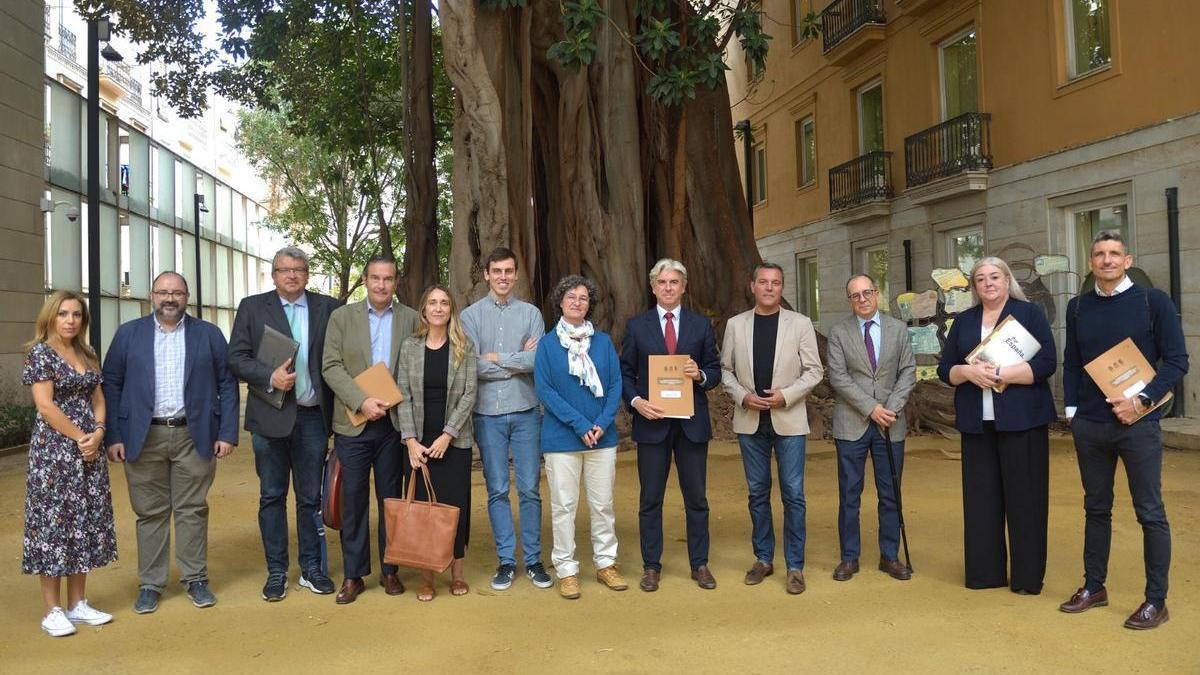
(643, 337)
(254, 313)
(210, 394)
(1021, 406)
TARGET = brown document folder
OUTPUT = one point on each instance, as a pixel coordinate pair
(1123, 372)
(670, 389)
(375, 382)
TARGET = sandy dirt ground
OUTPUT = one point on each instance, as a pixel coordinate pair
(869, 624)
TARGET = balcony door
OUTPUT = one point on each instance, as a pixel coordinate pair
(870, 118)
(959, 73)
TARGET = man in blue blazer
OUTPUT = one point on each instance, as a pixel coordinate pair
(670, 329)
(174, 408)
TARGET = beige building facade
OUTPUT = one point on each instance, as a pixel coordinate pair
(921, 134)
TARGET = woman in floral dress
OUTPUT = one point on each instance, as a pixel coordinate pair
(68, 507)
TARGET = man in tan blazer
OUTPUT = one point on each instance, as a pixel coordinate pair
(769, 364)
(360, 335)
(872, 369)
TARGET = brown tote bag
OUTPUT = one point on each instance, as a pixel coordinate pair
(331, 492)
(420, 534)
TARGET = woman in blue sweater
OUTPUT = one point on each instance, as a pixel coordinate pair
(578, 380)
(1005, 437)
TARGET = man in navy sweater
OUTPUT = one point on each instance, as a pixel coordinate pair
(1105, 429)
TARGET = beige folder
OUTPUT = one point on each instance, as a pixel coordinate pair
(1123, 372)
(670, 389)
(375, 382)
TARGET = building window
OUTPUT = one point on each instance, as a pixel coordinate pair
(964, 247)
(1088, 46)
(873, 260)
(959, 75)
(1092, 220)
(760, 173)
(870, 117)
(806, 152)
(808, 287)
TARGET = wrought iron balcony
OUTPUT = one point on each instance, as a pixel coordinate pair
(861, 180)
(843, 17)
(955, 146)
(66, 42)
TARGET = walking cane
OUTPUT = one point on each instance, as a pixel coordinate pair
(887, 438)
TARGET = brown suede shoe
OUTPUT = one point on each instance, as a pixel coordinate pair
(1084, 600)
(759, 571)
(391, 584)
(568, 587)
(845, 570)
(795, 582)
(350, 590)
(649, 581)
(895, 569)
(1146, 617)
(703, 578)
(611, 577)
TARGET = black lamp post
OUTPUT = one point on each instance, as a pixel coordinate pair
(99, 30)
(199, 208)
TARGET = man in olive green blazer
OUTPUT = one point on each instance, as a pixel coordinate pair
(360, 335)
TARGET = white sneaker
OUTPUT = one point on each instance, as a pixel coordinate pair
(56, 623)
(88, 615)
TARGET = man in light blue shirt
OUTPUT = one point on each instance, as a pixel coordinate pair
(505, 332)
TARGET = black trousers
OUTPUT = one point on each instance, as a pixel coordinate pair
(376, 449)
(1006, 478)
(1139, 446)
(654, 466)
(451, 479)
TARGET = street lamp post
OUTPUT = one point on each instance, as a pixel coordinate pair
(99, 30)
(198, 208)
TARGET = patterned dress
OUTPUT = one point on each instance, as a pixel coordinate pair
(68, 507)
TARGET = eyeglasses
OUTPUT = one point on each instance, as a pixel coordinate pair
(173, 295)
(581, 299)
(291, 270)
(864, 295)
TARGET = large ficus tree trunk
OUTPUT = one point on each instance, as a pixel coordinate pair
(579, 170)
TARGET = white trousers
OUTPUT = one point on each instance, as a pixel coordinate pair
(599, 470)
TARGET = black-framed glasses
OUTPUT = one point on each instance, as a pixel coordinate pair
(864, 295)
(173, 295)
(291, 270)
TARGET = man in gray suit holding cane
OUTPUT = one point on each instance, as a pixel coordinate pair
(872, 369)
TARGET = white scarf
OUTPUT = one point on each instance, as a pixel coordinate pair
(577, 340)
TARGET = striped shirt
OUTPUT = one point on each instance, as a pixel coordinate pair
(169, 354)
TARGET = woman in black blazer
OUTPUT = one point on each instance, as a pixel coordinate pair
(1005, 437)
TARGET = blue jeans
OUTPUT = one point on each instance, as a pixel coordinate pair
(756, 460)
(852, 466)
(496, 434)
(300, 456)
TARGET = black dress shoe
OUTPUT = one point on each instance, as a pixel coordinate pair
(350, 590)
(845, 570)
(1084, 600)
(1146, 617)
(894, 569)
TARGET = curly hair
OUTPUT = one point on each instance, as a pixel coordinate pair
(574, 281)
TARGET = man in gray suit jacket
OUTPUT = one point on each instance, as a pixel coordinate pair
(359, 336)
(289, 442)
(872, 369)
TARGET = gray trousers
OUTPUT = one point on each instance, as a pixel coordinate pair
(169, 477)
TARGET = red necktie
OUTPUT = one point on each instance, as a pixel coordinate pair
(669, 334)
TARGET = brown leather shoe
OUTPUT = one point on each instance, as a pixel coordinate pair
(894, 569)
(795, 582)
(350, 590)
(391, 584)
(649, 581)
(703, 578)
(758, 572)
(1084, 600)
(845, 570)
(1146, 617)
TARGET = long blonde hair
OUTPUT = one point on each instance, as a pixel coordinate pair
(1014, 288)
(458, 339)
(44, 326)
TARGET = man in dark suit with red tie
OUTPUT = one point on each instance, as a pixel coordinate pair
(670, 329)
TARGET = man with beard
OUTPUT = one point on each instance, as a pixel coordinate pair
(175, 409)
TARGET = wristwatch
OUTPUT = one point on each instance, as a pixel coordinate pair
(1145, 399)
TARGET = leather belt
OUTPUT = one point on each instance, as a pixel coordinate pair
(180, 421)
